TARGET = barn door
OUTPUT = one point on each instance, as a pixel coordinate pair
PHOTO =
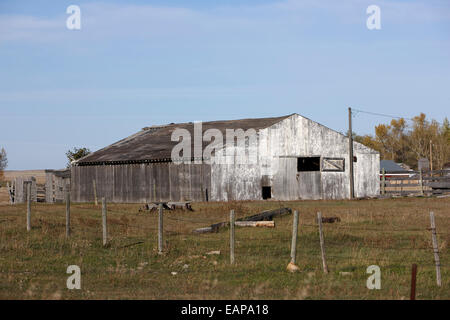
(309, 178)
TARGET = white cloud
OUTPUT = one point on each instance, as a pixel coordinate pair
(102, 21)
(27, 28)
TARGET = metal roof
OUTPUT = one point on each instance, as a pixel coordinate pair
(153, 144)
(391, 166)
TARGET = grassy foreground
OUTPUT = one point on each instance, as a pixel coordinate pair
(392, 234)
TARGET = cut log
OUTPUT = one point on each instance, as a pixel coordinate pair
(267, 215)
(185, 205)
(204, 230)
(267, 224)
(216, 252)
(215, 227)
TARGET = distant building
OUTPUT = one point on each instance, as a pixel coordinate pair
(393, 169)
(423, 164)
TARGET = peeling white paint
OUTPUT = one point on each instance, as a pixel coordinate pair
(279, 146)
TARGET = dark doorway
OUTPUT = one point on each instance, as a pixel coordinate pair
(266, 193)
(308, 164)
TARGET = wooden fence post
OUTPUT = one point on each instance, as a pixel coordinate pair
(160, 228)
(294, 238)
(322, 242)
(232, 221)
(435, 249)
(421, 182)
(95, 192)
(28, 183)
(9, 188)
(105, 230)
(67, 213)
(383, 182)
(413, 282)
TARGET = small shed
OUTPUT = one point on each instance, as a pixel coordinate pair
(393, 169)
(423, 164)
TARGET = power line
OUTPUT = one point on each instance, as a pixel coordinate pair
(381, 114)
(387, 115)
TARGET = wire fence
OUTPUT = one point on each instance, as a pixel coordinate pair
(411, 244)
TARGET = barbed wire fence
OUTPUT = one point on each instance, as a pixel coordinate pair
(174, 234)
(337, 240)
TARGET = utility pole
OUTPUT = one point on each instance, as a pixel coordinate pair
(350, 147)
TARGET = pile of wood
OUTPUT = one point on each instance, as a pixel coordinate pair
(263, 219)
(153, 207)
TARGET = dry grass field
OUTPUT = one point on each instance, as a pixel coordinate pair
(10, 175)
(390, 233)
(4, 197)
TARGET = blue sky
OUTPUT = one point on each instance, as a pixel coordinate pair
(139, 63)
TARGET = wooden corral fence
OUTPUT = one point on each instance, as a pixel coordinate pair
(411, 183)
(18, 190)
(53, 190)
(56, 184)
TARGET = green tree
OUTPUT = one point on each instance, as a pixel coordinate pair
(75, 154)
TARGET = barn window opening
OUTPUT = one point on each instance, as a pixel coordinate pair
(266, 193)
(308, 164)
(333, 164)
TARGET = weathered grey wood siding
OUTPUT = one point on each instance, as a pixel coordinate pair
(135, 183)
(20, 193)
(282, 143)
(279, 146)
(49, 192)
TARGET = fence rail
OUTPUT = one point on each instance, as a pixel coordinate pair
(406, 183)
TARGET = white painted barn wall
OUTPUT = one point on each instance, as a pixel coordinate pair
(281, 144)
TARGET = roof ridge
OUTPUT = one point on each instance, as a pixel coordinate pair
(155, 142)
(160, 126)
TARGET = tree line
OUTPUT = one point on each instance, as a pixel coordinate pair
(406, 143)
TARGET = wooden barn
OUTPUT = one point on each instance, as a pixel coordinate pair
(294, 158)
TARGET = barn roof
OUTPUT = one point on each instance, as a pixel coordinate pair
(153, 144)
